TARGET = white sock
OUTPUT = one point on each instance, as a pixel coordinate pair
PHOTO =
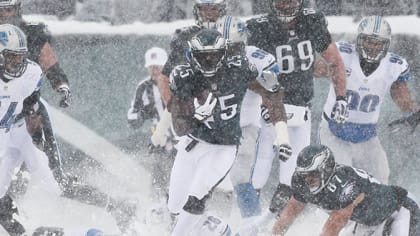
(185, 223)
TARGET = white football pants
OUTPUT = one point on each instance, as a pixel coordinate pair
(369, 156)
(198, 171)
(18, 148)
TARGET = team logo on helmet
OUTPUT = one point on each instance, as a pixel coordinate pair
(3, 38)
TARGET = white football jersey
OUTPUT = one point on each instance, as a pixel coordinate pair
(15, 91)
(365, 94)
(250, 108)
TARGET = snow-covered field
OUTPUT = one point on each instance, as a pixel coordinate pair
(39, 207)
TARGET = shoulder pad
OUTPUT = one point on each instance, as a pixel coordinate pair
(36, 28)
(257, 20)
(180, 76)
(313, 16)
(345, 47)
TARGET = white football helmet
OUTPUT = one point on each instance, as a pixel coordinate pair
(14, 19)
(13, 51)
(286, 10)
(235, 33)
(207, 12)
(208, 50)
(373, 38)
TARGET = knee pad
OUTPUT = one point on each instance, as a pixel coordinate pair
(248, 200)
(280, 198)
(195, 206)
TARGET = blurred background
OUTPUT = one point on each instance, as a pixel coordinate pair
(127, 11)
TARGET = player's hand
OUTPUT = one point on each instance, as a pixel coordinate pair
(265, 115)
(159, 138)
(202, 112)
(340, 111)
(412, 120)
(281, 144)
(283, 151)
(65, 93)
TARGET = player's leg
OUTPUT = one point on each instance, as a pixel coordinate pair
(264, 155)
(212, 167)
(121, 210)
(343, 151)
(8, 221)
(373, 159)
(247, 196)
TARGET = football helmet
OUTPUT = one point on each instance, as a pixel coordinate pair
(373, 38)
(207, 12)
(10, 12)
(13, 51)
(207, 51)
(316, 164)
(286, 10)
(235, 33)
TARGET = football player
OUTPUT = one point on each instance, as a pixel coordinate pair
(205, 107)
(235, 33)
(20, 81)
(356, 202)
(295, 35)
(41, 51)
(372, 72)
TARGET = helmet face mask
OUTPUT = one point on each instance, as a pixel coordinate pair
(373, 39)
(286, 10)
(14, 64)
(10, 12)
(13, 51)
(316, 165)
(207, 12)
(208, 50)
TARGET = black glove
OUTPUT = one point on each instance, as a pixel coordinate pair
(65, 93)
(412, 120)
(284, 151)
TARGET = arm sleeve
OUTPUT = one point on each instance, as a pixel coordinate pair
(56, 75)
(37, 36)
(319, 31)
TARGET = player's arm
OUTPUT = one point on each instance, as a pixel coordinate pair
(331, 57)
(164, 89)
(287, 216)
(339, 218)
(401, 95)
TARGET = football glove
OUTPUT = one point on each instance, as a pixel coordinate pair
(340, 111)
(202, 112)
(281, 145)
(65, 93)
(160, 134)
(412, 120)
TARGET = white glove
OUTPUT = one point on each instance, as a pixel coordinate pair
(340, 111)
(282, 147)
(202, 112)
(159, 136)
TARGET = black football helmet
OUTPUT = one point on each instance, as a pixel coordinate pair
(207, 51)
(316, 164)
(286, 10)
(10, 12)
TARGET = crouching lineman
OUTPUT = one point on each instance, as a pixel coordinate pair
(205, 108)
(357, 203)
